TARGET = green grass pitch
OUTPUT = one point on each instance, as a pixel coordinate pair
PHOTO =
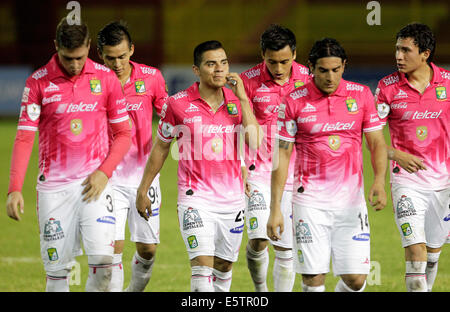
(21, 269)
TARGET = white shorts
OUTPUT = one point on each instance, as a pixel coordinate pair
(65, 219)
(343, 235)
(207, 233)
(141, 231)
(422, 216)
(257, 212)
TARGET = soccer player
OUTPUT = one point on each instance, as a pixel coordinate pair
(144, 88)
(71, 101)
(325, 120)
(415, 103)
(206, 119)
(266, 84)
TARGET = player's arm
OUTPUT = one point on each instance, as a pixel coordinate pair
(281, 158)
(405, 160)
(23, 146)
(155, 162)
(253, 133)
(378, 151)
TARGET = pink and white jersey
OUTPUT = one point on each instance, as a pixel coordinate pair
(419, 124)
(144, 90)
(327, 131)
(72, 116)
(265, 96)
(209, 166)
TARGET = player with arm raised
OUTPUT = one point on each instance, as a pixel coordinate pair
(266, 84)
(324, 121)
(71, 101)
(415, 103)
(144, 89)
(206, 119)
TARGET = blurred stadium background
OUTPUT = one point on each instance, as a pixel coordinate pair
(165, 33)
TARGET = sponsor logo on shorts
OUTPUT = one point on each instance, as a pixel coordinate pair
(191, 219)
(256, 202)
(238, 229)
(52, 254)
(303, 233)
(405, 207)
(253, 223)
(362, 237)
(406, 229)
(447, 218)
(107, 219)
(300, 257)
(53, 230)
(192, 241)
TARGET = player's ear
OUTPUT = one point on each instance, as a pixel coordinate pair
(196, 70)
(89, 43)
(294, 56)
(344, 64)
(56, 45)
(100, 54)
(131, 50)
(426, 54)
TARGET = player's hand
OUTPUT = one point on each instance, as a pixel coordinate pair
(236, 85)
(14, 204)
(275, 225)
(377, 196)
(409, 162)
(94, 185)
(143, 204)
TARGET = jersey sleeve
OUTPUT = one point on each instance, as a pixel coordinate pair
(371, 121)
(116, 105)
(286, 123)
(30, 107)
(166, 127)
(381, 103)
(160, 96)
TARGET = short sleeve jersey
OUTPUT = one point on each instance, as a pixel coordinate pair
(145, 90)
(265, 96)
(327, 132)
(72, 116)
(419, 125)
(209, 167)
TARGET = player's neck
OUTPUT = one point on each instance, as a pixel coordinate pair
(126, 75)
(421, 77)
(212, 96)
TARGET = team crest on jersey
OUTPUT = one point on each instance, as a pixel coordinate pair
(96, 86)
(405, 207)
(421, 133)
(76, 126)
(140, 87)
(33, 111)
(192, 241)
(406, 229)
(303, 233)
(298, 84)
(352, 106)
(383, 110)
(53, 230)
(217, 145)
(441, 93)
(334, 141)
(52, 254)
(191, 219)
(232, 108)
(256, 202)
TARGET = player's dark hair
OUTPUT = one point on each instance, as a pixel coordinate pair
(422, 35)
(327, 47)
(276, 37)
(113, 34)
(71, 36)
(203, 47)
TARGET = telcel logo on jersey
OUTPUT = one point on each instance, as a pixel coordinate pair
(81, 107)
(134, 107)
(421, 115)
(339, 126)
(215, 129)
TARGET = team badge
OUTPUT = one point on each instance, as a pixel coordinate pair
(352, 106)
(441, 93)
(52, 254)
(192, 241)
(139, 86)
(256, 202)
(406, 229)
(33, 111)
(334, 141)
(216, 145)
(53, 230)
(76, 126)
(303, 233)
(298, 84)
(405, 207)
(96, 86)
(191, 219)
(291, 127)
(383, 110)
(232, 108)
(421, 133)
(253, 223)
